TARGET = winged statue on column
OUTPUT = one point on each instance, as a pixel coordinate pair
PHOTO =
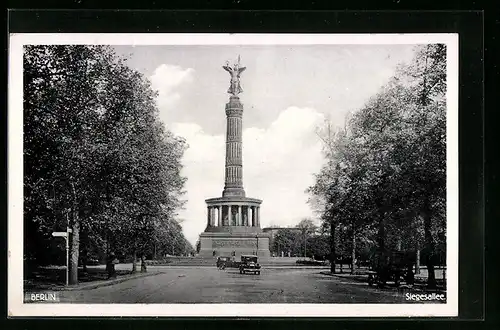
(235, 72)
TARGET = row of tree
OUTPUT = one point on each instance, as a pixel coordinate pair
(384, 179)
(97, 159)
(310, 241)
(303, 240)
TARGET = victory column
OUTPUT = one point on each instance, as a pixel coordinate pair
(233, 220)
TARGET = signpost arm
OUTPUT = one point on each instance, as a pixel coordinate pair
(65, 235)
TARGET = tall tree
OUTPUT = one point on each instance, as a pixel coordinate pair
(60, 108)
(287, 240)
(307, 228)
(386, 168)
(97, 157)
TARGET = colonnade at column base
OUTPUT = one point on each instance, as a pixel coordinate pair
(233, 229)
(233, 211)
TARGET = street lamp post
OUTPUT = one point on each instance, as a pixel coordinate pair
(68, 230)
(67, 259)
(257, 252)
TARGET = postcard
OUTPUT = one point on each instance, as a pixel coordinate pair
(239, 175)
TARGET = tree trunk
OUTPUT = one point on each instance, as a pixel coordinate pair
(381, 234)
(305, 245)
(417, 264)
(84, 260)
(134, 262)
(381, 261)
(84, 237)
(353, 252)
(429, 246)
(107, 247)
(75, 249)
(332, 247)
(143, 264)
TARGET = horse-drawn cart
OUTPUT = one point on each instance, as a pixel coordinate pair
(393, 266)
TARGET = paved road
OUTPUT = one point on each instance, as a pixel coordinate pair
(209, 285)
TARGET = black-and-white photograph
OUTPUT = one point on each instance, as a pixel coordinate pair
(310, 173)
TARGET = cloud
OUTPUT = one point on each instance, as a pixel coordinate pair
(278, 165)
(168, 80)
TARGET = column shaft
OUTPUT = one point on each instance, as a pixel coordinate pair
(253, 217)
(246, 214)
(240, 219)
(229, 215)
(234, 174)
(208, 215)
(219, 215)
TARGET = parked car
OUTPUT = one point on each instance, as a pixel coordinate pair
(249, 264)
(93, 262)
(222, 262)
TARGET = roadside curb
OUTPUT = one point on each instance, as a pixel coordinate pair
(91, 286)
(263, 267)
(347, 275)
(293, 267)
(401, 288)
(354, 276)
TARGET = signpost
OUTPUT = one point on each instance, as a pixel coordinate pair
(65, 234)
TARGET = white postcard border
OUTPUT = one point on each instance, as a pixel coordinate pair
(16, 307)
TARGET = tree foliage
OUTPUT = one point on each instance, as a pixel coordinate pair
(385, 173)
(288, 241)
(301, 240)
(96, 156)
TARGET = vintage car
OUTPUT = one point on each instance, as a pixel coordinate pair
(223, 262)
(249, 264)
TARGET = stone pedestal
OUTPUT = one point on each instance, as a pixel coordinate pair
(234, 240)
(233, 225)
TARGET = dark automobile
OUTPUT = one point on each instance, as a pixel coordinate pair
(249, 264)
(222, 262)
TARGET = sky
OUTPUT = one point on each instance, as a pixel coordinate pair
(288, 92)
